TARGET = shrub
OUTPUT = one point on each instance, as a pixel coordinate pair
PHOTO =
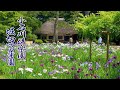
(31, 37)
(95, 40)
(38, 41)
(80, 41)
(112, 43)
(45, 41)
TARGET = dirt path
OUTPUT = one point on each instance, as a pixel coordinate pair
(116, 47)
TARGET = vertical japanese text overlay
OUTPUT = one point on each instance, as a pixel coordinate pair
(18, 40)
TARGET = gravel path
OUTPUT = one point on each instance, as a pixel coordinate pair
(116, 47)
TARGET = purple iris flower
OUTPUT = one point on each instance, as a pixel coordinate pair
(41, 65)
(109, 51)
(86, 74)
(114, 65)
(53, 52)
(52, 72)
(52, 61)
(79, 70)
(4, 59)
(73, 68)
(97, 65)
(95, 76)
(114, 57)
(90, 65)
(41, 53)
(109, 61)
(90, 69)
(118, 63)
(45, 51)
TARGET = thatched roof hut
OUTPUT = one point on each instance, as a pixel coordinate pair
(63, 28)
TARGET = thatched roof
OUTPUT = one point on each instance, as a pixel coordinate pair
(63, 28)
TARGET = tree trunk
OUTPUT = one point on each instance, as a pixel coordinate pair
(55, 39)
(90, 49)
(107, 46)
(82, 39)
(107, 55)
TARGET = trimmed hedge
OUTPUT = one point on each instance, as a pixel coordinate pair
(38, 41)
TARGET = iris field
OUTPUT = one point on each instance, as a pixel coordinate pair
(62, 61)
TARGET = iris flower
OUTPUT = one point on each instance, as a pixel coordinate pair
(114, 57)
(39, 74)
(54, 77)
(44, 70)
(21, 69)
(29, 69)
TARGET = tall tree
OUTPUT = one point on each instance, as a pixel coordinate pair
(55, 39)
(9, 19)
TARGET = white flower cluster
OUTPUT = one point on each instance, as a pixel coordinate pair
(27, 69)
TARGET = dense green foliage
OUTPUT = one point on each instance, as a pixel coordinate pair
(34, 20)
(89, 26)
(9, 19)
(38, 41)
(92, 25)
